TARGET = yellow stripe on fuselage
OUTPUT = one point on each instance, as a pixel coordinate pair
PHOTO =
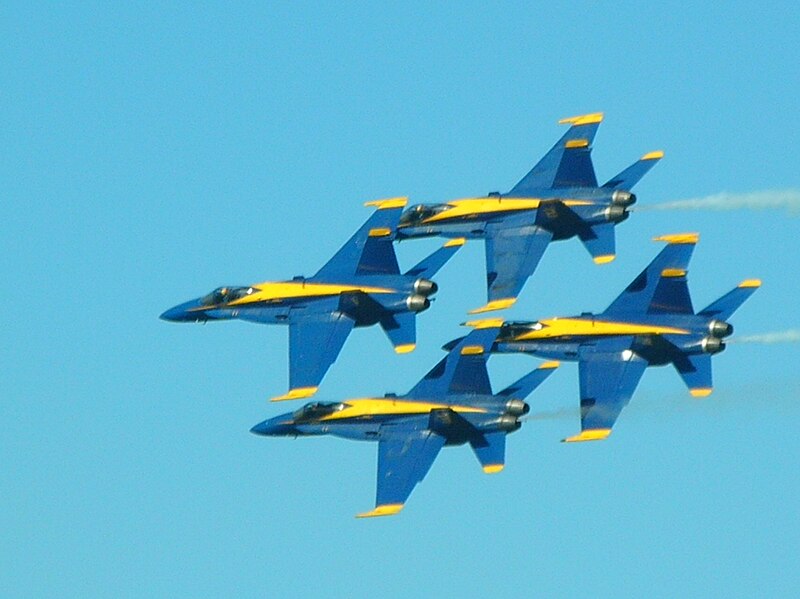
(579, 327)
(270, 292)
(475, 206)
(368, 407)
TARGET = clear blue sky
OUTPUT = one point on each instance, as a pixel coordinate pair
(153, 153)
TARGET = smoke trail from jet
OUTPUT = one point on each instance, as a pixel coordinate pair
(777, 199)
(787, 336)
(558, 414)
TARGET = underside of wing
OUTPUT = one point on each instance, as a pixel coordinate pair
(609, 373)
(512, 253)
(315, 341)
(406, 451)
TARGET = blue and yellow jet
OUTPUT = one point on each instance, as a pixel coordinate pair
(452, 405)
(558, 199)
(360, 286)
(651, 323)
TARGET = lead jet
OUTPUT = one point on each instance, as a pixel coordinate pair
(452, 405)
(558, 199)
(360, 286)
(651, 323)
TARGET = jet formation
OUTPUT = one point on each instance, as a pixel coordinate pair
(651, 323)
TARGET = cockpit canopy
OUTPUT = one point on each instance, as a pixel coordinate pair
(317, 409)
(514, 328)
(225, 295)
(419, 212)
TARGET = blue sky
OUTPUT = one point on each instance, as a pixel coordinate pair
(155, 152)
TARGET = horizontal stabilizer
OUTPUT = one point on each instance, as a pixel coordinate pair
(568, 163)
(695, 370)
(725, 306)
(431, 265)
(401, 328)
(599, 240)
(490, 449)
(528, 383)
(631, 175)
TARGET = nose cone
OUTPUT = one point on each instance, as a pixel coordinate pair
(275, 427)
(185, 312)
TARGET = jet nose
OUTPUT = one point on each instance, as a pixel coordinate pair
(271, 428)
(183, 313)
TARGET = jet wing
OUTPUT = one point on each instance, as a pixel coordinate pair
(569, 161)
(609, 373)
(513, 250)
(406, 451)
(315, 340)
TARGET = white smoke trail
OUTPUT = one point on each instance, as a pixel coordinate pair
(788, 336)
(777, 199)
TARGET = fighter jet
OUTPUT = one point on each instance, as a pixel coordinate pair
(360, 286)
(452, 405)
(558, 199)
(651, 323)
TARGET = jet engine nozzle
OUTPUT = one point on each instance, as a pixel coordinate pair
(425, 287)
(517, 407)
(507, 423)
(615, 213)
(623, 198)
(720, 329)
(712, 345)
(417, 303)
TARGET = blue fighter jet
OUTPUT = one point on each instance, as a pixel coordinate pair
(651, 323)
(452, 405)
(558, 199)
(360, 286)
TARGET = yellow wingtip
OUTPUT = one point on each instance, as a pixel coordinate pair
(405, 348)
(590, 434)
(455, 242)
(604, 259)
(493, 468)
(485, 323)
(382, 510)
(679, 238)
(550, 364)
(399, 202)
(701, 391)
(658, 154)
(582, 119)
(751, 283)
(500, 304)
(299, 393)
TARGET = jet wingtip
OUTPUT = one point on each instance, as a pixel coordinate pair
(384, 204)
(382, 510)
(750, 283)
(298, 393)
(500, 304)
(582, 119)
(493, 468)
(679, 238)
(484, 323)
(590, 434)
(657, 155)
(405, 348)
